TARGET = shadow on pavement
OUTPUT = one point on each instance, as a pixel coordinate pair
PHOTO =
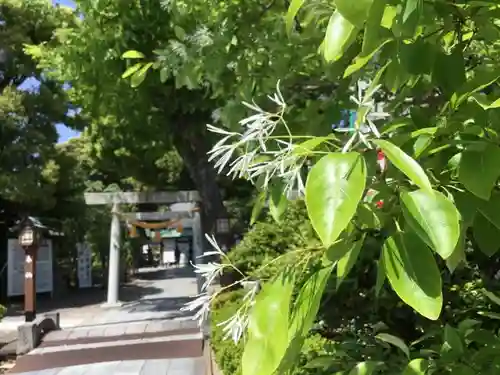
(141, 287)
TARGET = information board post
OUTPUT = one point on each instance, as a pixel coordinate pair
(30, 284)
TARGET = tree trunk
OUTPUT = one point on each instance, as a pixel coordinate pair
(191, 141)
(193, 151)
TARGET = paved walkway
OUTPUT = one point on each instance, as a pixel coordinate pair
(145, 337)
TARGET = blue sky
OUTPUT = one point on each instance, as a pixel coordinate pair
(65, 133)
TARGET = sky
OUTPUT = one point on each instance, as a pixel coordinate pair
(65, 133)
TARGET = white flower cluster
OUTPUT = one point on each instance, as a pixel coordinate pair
(255, 153)
(236, 325)
(365, 116)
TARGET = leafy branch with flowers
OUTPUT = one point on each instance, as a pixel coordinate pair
(349, 170)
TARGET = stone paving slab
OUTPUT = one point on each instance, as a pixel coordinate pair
(148, 336)
(178, 366)
(52, 349)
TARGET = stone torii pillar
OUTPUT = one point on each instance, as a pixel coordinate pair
(114, 258)
(115, 232)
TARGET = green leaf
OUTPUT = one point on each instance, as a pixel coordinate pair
(133, 55)
(490, 209)
(434, 218)
(492, 296)
(348, 261)
(258, 205)
(482, 78)
(380, 277)
(263, 352)
(340, 34)
(478, 170)
(367, 217)
(356, 12)
(339, 249)
(396, 341)
(334, 187)
(449, 71)
(421, 144)
(410, 7)
(405, 164)
(413, 273)
(304, 314)
(466, 204)
(139, 76)
(179, 32)
(307, 147)
(278, 202)
(131, 70)
(458, 255)
(417, 366)
(484, 102)
(364, 368)
(375, 37)
(452, 341)
(163, 74)
(308, 301)
(486, 235)
(489, 314)
(293, 9)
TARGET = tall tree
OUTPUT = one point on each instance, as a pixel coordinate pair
(209, 55)
(30, 106)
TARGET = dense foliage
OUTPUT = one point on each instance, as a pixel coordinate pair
(399, 202)
(430, 124)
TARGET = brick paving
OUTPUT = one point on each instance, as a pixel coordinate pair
(147, 336)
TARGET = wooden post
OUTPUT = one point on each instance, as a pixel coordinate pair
(30, 283)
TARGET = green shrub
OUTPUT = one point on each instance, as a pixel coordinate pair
(228, 354)
(267, 240)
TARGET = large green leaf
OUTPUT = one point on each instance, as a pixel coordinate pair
(304, 313)
(413, 273)
(307, 304)
(486, 235)
(434, 218)
(417, 366)
(396, 341)
(356, 12)
(263, 352)
(405, 164)
(334, 188)
(478, 170)
(340, 34)
(348, 261)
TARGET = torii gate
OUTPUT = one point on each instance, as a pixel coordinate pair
(136, 198)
